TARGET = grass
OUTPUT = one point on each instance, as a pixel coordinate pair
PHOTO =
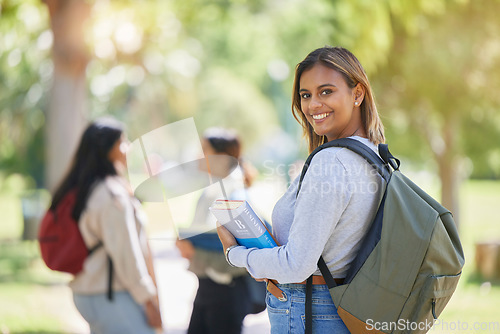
(33, 296)
(475, 302)
(10, 207)
(23, 309)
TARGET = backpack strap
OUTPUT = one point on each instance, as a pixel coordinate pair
(96, 247)
(110, 270)
(389, 159)
(110, 279)
(381, 165)
(330, 282)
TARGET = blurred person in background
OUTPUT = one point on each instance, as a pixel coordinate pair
(224, 295)
(111, 221)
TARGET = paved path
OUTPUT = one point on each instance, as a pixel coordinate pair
(177, 288)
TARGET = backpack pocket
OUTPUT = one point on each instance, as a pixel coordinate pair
(435, 294)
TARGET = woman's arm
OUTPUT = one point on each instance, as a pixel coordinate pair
(122, 243)
(323, 198)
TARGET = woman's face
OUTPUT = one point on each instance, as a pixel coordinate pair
(329, 104)
(118, 153)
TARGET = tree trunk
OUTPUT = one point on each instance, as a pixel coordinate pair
(450, 177)
(443, 142)
(449, 168)
(66, 115)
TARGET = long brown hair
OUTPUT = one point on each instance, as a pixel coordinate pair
(90, 162)
(344, 62)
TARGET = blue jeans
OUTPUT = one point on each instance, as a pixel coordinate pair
(120, 316)
(289, 316)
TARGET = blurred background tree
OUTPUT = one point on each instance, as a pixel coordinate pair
(25, 75)
(436, 90)
(66, 115)
(230, 63)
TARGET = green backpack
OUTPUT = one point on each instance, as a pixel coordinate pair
(409, 263)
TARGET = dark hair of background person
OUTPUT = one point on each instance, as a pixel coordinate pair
(344, 62)
(225, 141)
(90, 163)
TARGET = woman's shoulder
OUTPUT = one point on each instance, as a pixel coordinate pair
(327, 157)
(107, 191)
(116, 186)
(342, 157)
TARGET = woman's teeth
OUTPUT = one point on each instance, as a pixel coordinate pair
(320, 116)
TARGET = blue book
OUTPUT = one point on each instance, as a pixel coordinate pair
(208, 241)
(240, 219)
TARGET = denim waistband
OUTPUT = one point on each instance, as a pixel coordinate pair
(317, 287)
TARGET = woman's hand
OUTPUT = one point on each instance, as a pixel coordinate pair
(258, 279)
(153, 314)
(185, 248)
(226, 238)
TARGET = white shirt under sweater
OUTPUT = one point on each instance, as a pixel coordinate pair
(338, 199)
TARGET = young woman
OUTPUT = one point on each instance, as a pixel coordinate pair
(332, 98)
(223, 298)
(110, 218)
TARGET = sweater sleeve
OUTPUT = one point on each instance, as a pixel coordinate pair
(122, 243)
(323, 197)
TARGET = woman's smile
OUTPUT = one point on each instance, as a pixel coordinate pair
(321, 117)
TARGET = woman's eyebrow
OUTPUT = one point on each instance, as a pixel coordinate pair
(327, 85)
(319, 87)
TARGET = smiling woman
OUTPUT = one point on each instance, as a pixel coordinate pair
(332, 98)
(338, 198)
(329, 104)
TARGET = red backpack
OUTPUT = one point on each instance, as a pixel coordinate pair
(61, 242)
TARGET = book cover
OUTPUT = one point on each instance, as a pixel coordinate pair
(202, 238)
(240, 219)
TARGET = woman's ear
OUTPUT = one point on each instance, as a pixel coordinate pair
(359, 94)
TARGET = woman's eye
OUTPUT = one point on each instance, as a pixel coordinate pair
(326, 92)
(305, 95)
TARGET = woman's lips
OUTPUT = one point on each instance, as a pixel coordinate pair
(320, 117)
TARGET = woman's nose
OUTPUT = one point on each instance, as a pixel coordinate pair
(315, 104)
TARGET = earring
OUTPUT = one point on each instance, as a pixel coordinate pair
(356, 103)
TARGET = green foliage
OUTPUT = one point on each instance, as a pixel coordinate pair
(16, 260)
(439, 77)
(25, 72)
(156, 62)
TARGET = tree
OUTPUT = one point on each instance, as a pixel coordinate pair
(227, 62)
(67, 114)
(437, 85)
(25, 74)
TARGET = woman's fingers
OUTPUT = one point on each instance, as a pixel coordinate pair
(226, 238)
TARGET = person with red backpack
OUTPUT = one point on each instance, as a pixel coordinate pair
(114, 287)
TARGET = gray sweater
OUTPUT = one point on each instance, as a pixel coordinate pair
(337, 201)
